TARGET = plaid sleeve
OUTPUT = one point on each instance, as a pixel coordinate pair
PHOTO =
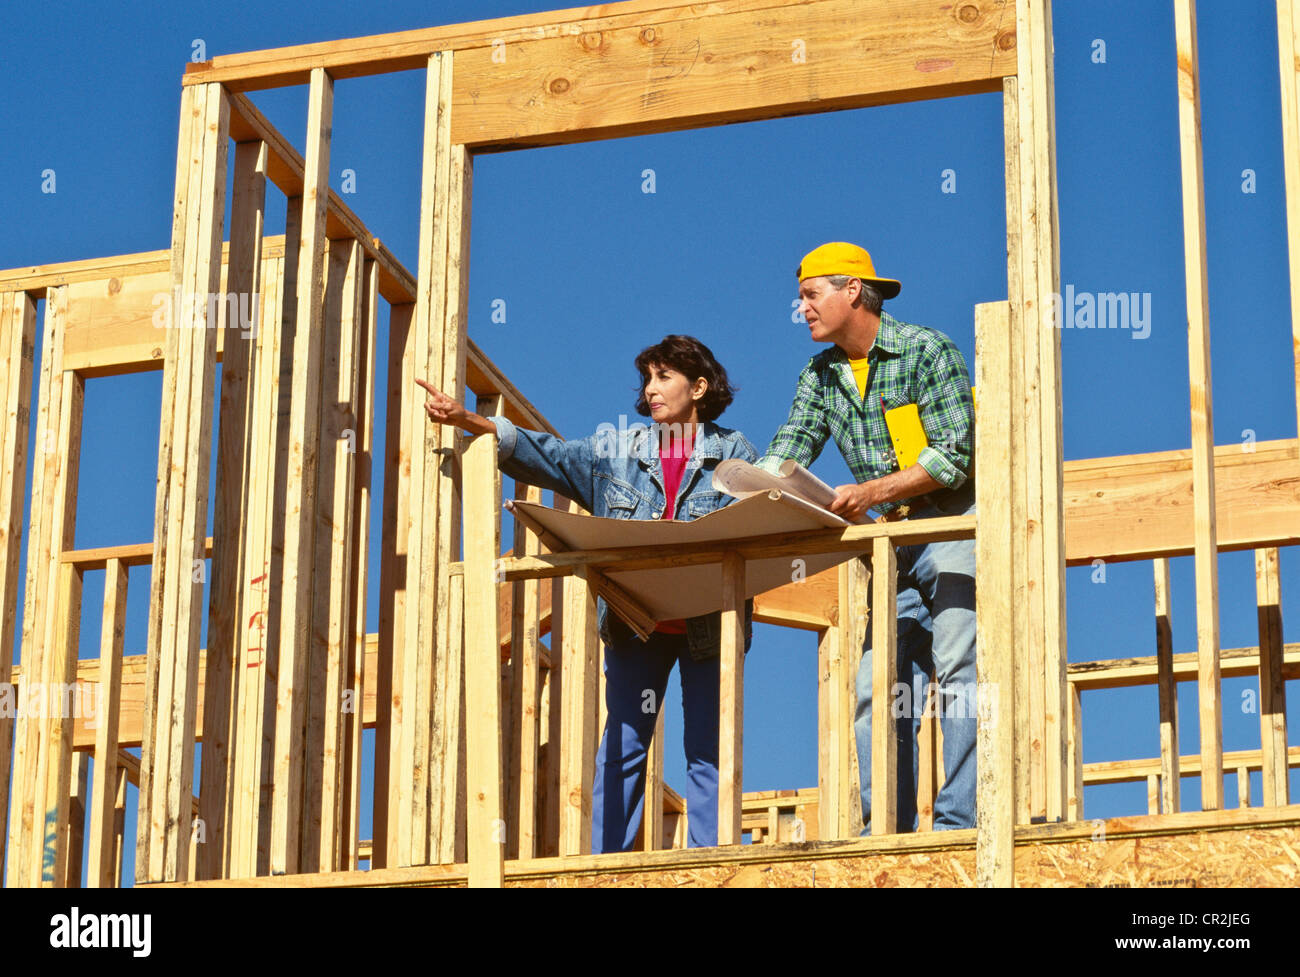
(804, 432)
(947, 414)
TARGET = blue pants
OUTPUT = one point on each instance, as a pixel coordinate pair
(636, 676)
(936, 629)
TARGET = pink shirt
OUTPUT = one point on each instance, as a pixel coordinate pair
(674, 460)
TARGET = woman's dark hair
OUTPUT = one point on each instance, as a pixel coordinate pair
(691, 358)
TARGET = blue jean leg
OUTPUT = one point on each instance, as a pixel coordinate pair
(636, 676)
(941, 576)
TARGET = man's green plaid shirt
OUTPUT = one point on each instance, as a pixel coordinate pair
(909, 365)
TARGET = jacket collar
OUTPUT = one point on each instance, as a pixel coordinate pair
(708, 444)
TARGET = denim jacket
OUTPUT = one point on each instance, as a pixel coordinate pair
(616, 473)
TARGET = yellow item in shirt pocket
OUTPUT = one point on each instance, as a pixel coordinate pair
(907, 434)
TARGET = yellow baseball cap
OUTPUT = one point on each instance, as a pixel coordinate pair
(839, 258)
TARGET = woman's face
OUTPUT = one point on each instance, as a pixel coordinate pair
(672, 397)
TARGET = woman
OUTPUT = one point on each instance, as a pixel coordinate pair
(664, 471)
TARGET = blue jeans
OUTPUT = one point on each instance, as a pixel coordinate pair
(636, 676)
(936, 629)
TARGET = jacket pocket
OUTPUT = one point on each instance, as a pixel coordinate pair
(702, 503)
(620, 502)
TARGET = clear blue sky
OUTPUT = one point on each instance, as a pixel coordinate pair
(592, 269)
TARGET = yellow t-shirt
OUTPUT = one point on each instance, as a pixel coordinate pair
(860, 369)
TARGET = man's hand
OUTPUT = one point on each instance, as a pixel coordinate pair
(442, 409)
(851, 502)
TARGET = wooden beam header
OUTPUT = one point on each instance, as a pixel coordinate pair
(650, 66)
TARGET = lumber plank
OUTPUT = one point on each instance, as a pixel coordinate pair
(828, 644)
(653, 808)
(731, 700)
(1130, 771)
(525, 658)
(301, 491)
(418, 829)
(884, 671)
(578, 751)
(330, 641)
(57, 762)
(997, 640)
(726, 67)
(355, 677)
(1288, 45)
(18, 341)
(1167, 691)
(486, 824)
(102, 861)
(76, 822)
(452, 310)
(1272, 686)
(398, 439)
(255, 661)
(34, 846)
(230, 527)
(1198, 355)
(974, 43)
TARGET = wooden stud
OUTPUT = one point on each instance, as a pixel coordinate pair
(1288, 44)
(1243, 787)
(1167, 691)
(1074, 808)
(1153, 793)
(884, 672)
(398, 440)
(18, 341)
(929, 755)
(230, 513)
(486, 822)
(355, 677)
(57, 762)
(829, 794)
(164, 823)
(76, 823)
(1202, 400)
(653, 832)
(453, 803)
(525, 655)
(330, 647)
(102, 861)
(578, 752)
(997, 638)
(33, 838)
(1272, 686)
(731, 701)
(300, 492)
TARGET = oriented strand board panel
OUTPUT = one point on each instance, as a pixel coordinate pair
(1250, 848)
(704, 68)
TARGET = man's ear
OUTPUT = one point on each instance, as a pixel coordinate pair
(854, 299)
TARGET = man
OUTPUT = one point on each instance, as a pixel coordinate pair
(878, 363)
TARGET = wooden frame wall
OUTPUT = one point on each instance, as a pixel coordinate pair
(594, 85)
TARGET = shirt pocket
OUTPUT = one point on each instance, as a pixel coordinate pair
(702, 503)
(620, 502)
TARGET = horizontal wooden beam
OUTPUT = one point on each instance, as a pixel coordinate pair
(1117, 673)
(966, 26)
(1136, 507)
(713, 67)
(1129, 771)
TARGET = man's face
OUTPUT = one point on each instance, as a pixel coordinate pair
(827, 309)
